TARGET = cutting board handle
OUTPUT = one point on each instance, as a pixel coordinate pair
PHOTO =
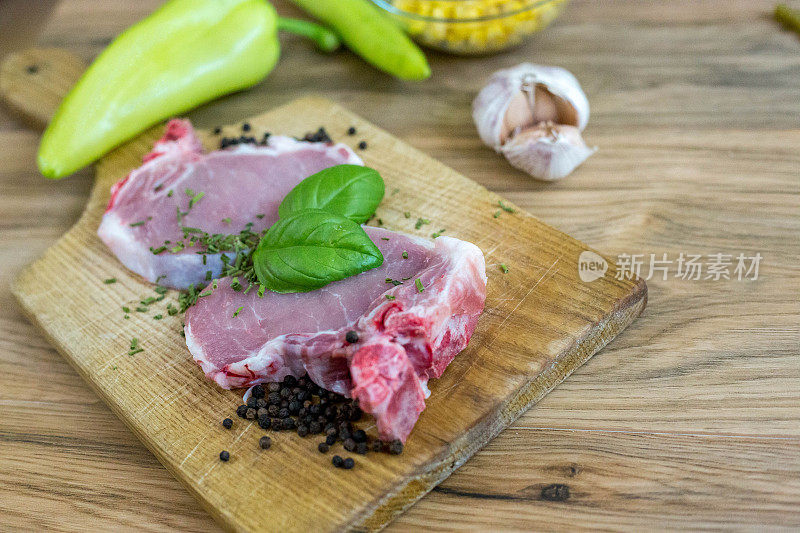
(33, 82)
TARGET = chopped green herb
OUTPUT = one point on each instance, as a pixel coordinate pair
(260, 216)
(109, 281)
(405, 255)
(506, 208)
(134, 224)
(158, 317)
(384, 238)
(169, 194)
(261, 290)
(504, 268)
(407, 214)
(158, 250)
(161, 290)
(171, 310)
(438, 233)
(394, 282)
(126, 317)
(418, 283)
(421, 222)
(395, 191)
(126, 309)
(209, 275)
(226, 220)
(497, 214)
(204, 294)
(114, 367)
(390, 297)
(380, 222)
(187, 229)
(238, 310)
(149, 300)
(142, 309)
(196, 198)
(134, 352)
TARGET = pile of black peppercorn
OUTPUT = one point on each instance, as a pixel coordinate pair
(302, 406)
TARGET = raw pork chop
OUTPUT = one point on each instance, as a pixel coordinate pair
(236, 184)
(406, 336)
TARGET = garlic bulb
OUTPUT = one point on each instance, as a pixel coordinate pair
(533, 115)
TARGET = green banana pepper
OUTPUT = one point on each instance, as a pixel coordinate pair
(371, 34)
(186, 53)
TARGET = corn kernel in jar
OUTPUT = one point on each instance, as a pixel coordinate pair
(474, 26)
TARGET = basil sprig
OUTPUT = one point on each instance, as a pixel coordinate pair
(350, 191)
(310, 248)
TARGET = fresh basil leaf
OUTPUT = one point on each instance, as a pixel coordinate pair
(350, 191)
(311, 248)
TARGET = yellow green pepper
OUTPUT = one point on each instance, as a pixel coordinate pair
(186, 53)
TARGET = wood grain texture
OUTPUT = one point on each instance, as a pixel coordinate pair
(530, 337)
(695, 409)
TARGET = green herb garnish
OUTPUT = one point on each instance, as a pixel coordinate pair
(390, 297)
(506, 208)
(421, 222)
(418, 283)
(497, 213)
(504, 268)
(238, 310)
(109, 281)
(158, 317)
(405, 255)
(394, 281)
(134, 224)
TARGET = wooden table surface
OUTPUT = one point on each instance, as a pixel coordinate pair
(690, 419)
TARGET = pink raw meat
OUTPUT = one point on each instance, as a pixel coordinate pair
(404, 340)
(238, 184)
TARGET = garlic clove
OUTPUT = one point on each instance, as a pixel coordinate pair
(547, 151)
(525, 95)
(534, 114)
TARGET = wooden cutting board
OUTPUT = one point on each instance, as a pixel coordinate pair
(541, 322)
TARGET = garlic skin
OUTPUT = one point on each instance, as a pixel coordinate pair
(547, 152)
(534, 114)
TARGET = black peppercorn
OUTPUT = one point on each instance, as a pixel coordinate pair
(262, 412)
(289, 423)
(217, 130)
(274, 398)
(265, 442)
(359, 435)
(285, 393)
(351, 337)
(314, 409)
(395, 447)
(362, 145)
(277, 424)
(246, 126)
(241, 411)
(294, 407)
(355, 414)
(348, 463)
(273, 410)
(377, 446)
(323, 447)
(330, 440)
(261, 403)
(251, 402)
(283, 413)
(224, 455)
(227, 423)
(290, 380)
(264, 422)
(274, 387)
(302, 430)
(250, 414)
(258, 391)
(315, 427)
(362, 448)
(337, 461)
(351, 130)
(349, 445)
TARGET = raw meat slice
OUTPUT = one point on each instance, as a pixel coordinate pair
(238, 186)
(406, 335)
